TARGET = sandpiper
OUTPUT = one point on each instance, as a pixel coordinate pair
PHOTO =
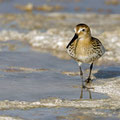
(84, 48)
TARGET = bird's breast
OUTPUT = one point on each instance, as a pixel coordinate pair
(85, 52)
(86, 58)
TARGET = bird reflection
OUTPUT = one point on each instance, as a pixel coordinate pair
(88, 90)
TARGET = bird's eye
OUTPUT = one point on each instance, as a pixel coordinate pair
(83, 30)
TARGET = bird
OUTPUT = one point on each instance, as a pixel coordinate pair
(84, 48)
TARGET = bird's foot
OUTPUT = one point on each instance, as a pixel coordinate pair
(87, 87)
(88, 83)
(83, 86)
(88, 80)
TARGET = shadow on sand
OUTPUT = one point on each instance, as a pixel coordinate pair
(109, 72)
(103, 73)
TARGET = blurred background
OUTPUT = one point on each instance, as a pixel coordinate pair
(71, 6)
(40, 23)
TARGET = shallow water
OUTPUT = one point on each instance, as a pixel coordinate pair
(27, 74)
(34, 88)
(38, 80)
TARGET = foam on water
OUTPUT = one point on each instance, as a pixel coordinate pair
(54, 102)
(112, 45)
(111, 88)
(57, 40)
(9, 118)
(55, 37)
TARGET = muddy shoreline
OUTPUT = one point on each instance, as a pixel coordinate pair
(38, 80)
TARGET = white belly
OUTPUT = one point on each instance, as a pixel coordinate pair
(88, 59)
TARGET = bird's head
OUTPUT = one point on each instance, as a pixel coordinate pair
(82, 31)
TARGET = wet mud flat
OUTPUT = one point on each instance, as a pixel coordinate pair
(40, 81)
(37, 85)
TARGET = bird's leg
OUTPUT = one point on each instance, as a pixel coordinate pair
(83, 86)
(89, 77)
(90, 96)
(81, 94)
(81, 75)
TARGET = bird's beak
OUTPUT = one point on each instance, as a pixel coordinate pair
(74, 38)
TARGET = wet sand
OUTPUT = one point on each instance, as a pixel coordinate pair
(39, 81)
(27, 74)
(38, 85)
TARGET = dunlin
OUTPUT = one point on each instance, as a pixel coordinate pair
(84, 48)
